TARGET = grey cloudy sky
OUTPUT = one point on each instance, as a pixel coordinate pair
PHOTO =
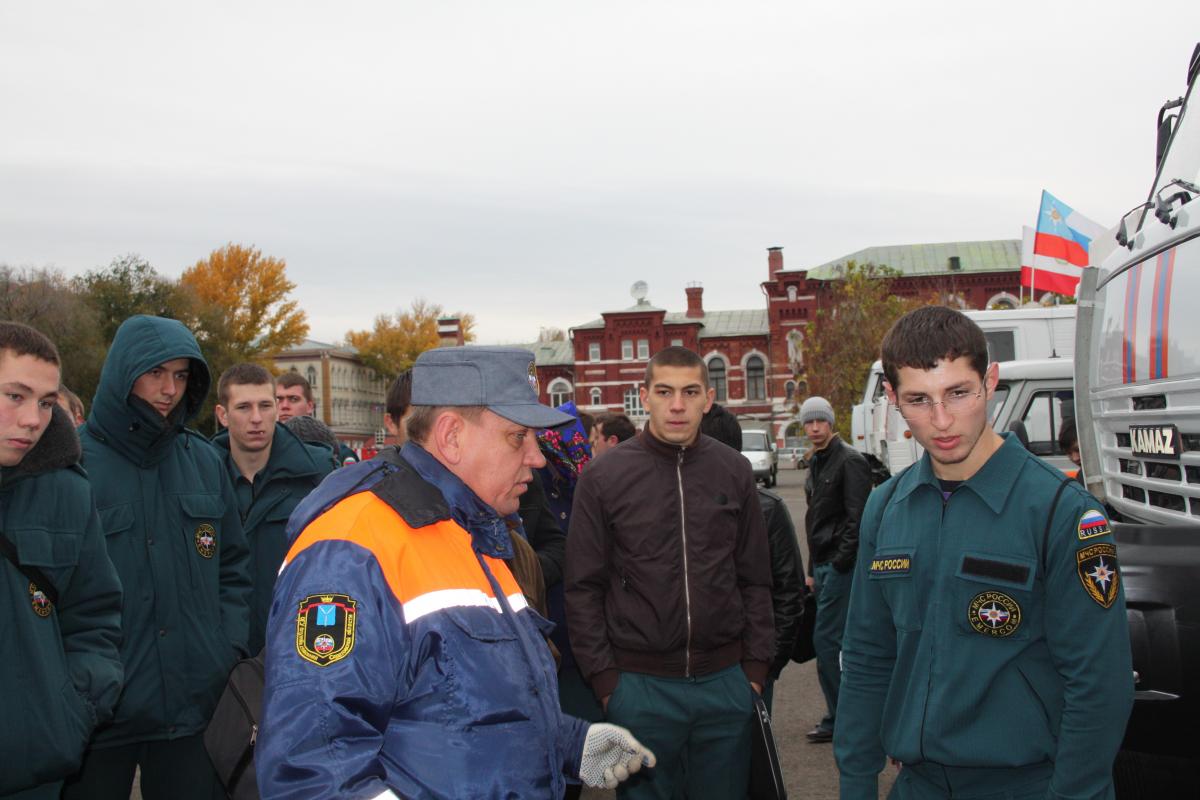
(528, 161)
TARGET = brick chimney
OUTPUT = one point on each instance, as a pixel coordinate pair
(695, 295)
(774, 260)
(450, 332)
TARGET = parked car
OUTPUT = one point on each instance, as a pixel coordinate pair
(758, 448)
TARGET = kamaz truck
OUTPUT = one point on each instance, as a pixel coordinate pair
(1137, 397)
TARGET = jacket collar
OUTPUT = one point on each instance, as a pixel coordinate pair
(489, 531)
(290, 457)
(666, 450)
(993, 482)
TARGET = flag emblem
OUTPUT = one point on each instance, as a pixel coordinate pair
(1098, 570)
(325, 628)
(1092, 524)
(41, 604)
(994, 614)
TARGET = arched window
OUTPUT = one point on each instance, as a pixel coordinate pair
(559, 391)
(597, 396)
(791, 290)
(790, 389)
(312, 377)
(756, 382)
(716, 379)
(633, 404)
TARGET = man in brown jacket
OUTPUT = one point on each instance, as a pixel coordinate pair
(668, 590)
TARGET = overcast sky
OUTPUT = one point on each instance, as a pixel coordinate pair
(528, 161)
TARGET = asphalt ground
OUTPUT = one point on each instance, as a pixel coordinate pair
(808, 769)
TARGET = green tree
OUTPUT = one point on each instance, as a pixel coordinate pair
(47, 301)
(129, 286)
(395, 340)
(843, 341)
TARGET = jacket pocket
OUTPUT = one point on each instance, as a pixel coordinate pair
(893, 570)
(200, 516)
(993, 596)
(489, 675)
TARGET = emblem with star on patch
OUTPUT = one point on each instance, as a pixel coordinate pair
(1097, 568)
(325, 628)
(994, 614)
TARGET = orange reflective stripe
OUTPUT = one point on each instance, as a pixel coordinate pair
(434, 566)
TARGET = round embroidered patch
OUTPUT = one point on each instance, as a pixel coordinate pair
(206, 540)
(41, 604)
(994, 614)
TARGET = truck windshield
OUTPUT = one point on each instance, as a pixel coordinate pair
(1182, 159)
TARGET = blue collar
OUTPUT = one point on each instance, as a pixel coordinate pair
(489, 531)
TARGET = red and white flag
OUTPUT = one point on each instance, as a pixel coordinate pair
(1053, 254)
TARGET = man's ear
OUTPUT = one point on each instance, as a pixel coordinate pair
(891, 394)
(222, 415)
(710, 397)
(447, 436)
(991, 377)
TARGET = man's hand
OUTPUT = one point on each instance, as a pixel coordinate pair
(604, 703)
(808, 581)
(756, 687)
(611, 755)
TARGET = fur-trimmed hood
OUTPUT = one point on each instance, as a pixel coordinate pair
(57, 449)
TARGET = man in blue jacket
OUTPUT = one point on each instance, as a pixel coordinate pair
(62, 600)
(271, 470)
(986, 647)
(402, 659)
(172, 529)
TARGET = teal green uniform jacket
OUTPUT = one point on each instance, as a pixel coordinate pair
(293, 470)
(968, 644)
(171, 524)
(61, 672)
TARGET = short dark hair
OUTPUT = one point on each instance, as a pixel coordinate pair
(72, 400)
(289, 379)
(586, 421)
(241, 375)
(1068, 437)
(676, 356)
(925, 336)
(22, 340)
(617, 425)
(722, 426)
(399, 396)
(420, 422)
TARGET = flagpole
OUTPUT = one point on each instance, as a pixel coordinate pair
(1033, 267)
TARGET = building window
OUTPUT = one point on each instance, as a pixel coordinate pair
(597, 397)
(756, 383)
(791, 290)
(312, 377)
(790, 389)
(716, 379)
(677, 343)
(627, 349)
(633, 404)
(560, 392)
(643, 348)
(594, 351)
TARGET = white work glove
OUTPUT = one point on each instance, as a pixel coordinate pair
(610, 755)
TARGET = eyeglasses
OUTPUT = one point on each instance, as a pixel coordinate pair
(955, 402)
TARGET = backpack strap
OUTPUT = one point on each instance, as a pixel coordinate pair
(35, 575)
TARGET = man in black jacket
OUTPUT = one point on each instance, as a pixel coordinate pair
(836, 489)
(787, 565)
(668, 590)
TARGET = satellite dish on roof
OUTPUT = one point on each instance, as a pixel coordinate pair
(639, 290)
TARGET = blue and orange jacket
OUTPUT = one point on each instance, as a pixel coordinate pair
(401, 657)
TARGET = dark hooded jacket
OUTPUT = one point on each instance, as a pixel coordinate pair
(293, 470)
(171, 524)
(61, 671)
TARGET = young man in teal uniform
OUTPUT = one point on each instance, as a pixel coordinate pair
(986, 648)
(61, 670)
(271, 470)
(171, 526)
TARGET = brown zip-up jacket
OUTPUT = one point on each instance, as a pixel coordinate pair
(668, 571)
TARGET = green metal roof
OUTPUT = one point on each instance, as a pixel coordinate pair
(1000, 255)
(547, 354)
(715, 324)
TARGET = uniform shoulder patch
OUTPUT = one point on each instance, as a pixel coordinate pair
(325, 628)
(1092, 524)
(994, 614)
(1097, 567)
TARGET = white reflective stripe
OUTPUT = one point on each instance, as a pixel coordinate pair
(388, 795)
(456, 598)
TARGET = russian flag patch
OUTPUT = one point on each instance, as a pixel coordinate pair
(1093, 523)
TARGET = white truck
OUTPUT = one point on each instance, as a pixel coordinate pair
(1016, 338)
(1137, 385)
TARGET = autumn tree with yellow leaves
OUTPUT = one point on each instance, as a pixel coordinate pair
(395, 340)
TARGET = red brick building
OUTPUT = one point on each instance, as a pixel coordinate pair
(753, 355)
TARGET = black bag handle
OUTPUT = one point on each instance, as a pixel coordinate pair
(35, 575)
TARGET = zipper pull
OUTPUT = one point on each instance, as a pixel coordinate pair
(253, 733)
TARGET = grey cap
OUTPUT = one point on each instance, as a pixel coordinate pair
(501, 379)
(816, 408)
